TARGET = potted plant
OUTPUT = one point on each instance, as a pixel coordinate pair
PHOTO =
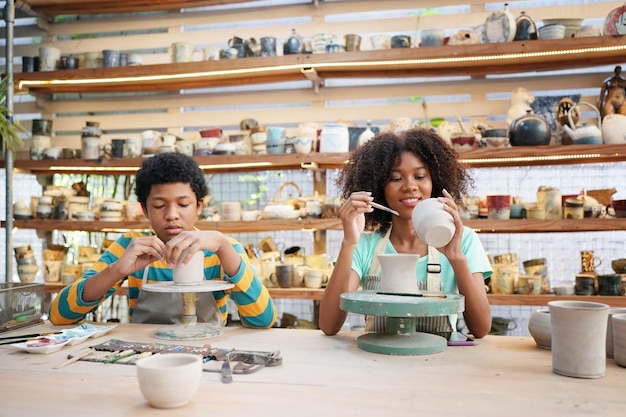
(10, 128)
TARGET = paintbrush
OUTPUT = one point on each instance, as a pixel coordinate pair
(24, 336)
(75, 358)
(406, 294)
(381, 207)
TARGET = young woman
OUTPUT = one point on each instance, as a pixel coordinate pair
(170, 188)
(400, 171)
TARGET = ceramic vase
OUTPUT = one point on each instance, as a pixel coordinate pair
(578, 338)
(398, 273)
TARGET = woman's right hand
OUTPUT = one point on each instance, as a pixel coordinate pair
(352, 214)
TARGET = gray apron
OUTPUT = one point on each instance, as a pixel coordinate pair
(167, 308)
(424, 324)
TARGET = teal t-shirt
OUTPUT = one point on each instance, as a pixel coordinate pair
(471, 246)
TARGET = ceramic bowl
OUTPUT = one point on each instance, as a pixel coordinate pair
(619, 265)
(432, 223)
(169, 380)
(540, 329)
(571, 24)
(564, 290)
(497, 142)
(463, 141)
(552, 31)
(493, 133)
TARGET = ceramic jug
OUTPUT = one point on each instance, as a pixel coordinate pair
(583, 134)
(398, 272)
(526, 28)
(294, 44)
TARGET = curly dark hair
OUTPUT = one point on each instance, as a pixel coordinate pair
(167, 168)
(371, 166)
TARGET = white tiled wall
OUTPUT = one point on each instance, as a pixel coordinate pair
(562, 250)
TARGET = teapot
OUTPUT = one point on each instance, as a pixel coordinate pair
(530, 130)
(585, 134)
(614, 129)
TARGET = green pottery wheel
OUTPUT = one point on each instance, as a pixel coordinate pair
(402, 312)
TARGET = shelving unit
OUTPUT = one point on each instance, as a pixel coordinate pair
(473, 60)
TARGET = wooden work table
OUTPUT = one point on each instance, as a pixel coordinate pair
(320, 375)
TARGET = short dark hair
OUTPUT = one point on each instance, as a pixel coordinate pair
(168, 168)
(371, 167)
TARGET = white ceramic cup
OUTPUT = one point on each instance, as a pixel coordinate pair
(432, 223)
(191, 273)
(169, 380)
(578, 338)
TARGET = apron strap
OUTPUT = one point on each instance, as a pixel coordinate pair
(380, 248)
(433, 270)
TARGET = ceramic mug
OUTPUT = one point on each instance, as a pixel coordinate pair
(110, 58)
(183, 52)
(49, 58)
(283, 275)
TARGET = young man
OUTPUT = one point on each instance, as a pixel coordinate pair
(170, 188)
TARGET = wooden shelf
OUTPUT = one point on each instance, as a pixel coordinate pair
(266, 225)
(209, 164)
(475, 158)
(52, 8)
(545, 226)
(542, 300)
(223, 226)
(473, 60)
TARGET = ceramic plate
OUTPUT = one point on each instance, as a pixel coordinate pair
(75, 335)
(41, 345)
(98, 330)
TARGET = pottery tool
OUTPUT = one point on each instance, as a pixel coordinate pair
(406, 294)
(75, 358)
(28, 336)
(123, 354)
(381, 207)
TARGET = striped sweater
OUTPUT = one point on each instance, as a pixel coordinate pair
(256, 308)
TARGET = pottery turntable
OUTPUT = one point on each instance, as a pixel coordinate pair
(402, 311)
(189, 329)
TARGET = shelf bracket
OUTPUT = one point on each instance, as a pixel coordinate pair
(311, 75)
(313, 166)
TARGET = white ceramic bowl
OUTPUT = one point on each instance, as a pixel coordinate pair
(540, 329)
(553, 31)
(571, 24)
(169, 380)
(432, 223)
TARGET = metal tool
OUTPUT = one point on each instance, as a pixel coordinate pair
(227, 372)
